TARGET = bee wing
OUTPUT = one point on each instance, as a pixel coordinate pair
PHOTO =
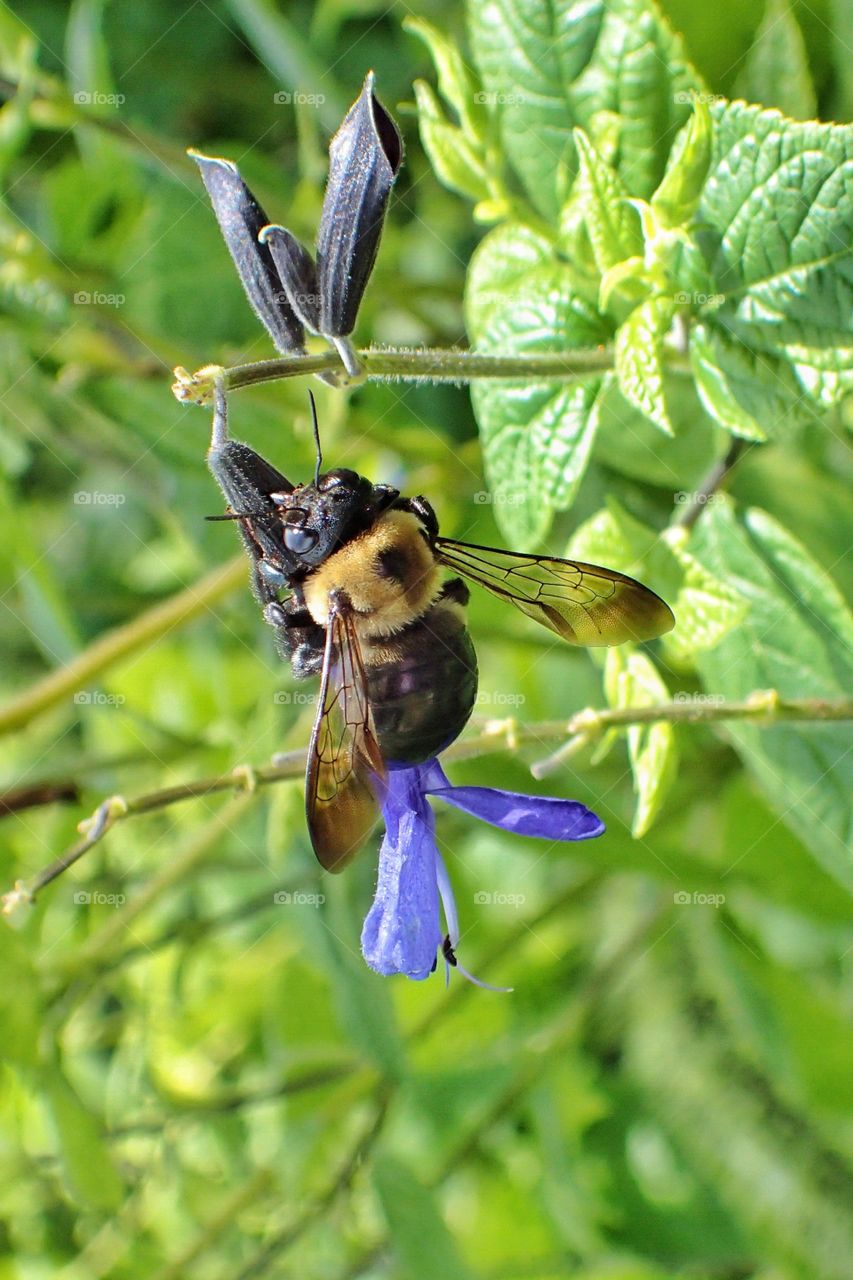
(345, 765)
(583, 603)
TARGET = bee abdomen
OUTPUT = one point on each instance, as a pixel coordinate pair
(423, 687)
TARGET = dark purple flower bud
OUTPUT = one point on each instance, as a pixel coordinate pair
(240, 219)
(297, 272)
(365, 157)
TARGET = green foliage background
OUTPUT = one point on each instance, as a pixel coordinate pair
(201, 1081)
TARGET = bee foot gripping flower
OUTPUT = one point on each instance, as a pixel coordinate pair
(402, 932)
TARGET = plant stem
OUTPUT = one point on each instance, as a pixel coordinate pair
(120, 642)
(407, 364)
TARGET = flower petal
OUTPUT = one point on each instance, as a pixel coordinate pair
(544, 816)
(402, 932)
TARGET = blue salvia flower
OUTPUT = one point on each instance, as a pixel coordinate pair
(403, 931)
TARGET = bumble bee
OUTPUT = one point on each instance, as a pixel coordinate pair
(350, 576)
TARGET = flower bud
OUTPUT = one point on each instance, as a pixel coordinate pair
(240, 219)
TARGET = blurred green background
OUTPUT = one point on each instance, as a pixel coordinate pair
(200, 1081)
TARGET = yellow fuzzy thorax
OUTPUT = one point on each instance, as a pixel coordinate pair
(383, 605)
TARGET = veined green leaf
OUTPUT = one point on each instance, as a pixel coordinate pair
(779, 205)
(678, 195)
(536, 437)
(706, 608)
(611, 222)
(453, 156)
(555, 66)
(795, 639)
(632, 680)
(457, 83)
(639, 359)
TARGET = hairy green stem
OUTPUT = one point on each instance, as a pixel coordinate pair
(408, 364)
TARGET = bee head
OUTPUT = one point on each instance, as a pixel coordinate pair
(319, 518)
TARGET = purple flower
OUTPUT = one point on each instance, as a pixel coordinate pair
(403, 932)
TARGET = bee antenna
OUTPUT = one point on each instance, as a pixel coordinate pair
(316, 437)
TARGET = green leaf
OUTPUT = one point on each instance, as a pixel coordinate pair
(639, 359)
(632, 680)
(555, 66)
(706, 608)
(614, 538)
(421, 1240)
(776, 71)
(611, 222)
(83, 1151)
(796, 639)
(677, 197)
(457, 83)
(456, 160)
(778, 204)
(536, 437)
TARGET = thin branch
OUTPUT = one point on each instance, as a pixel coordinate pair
(114, 645)
(764, 706)
(413, 364)
(695, 503)
(761, 707)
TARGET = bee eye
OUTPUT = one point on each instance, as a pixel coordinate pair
(299, 541)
